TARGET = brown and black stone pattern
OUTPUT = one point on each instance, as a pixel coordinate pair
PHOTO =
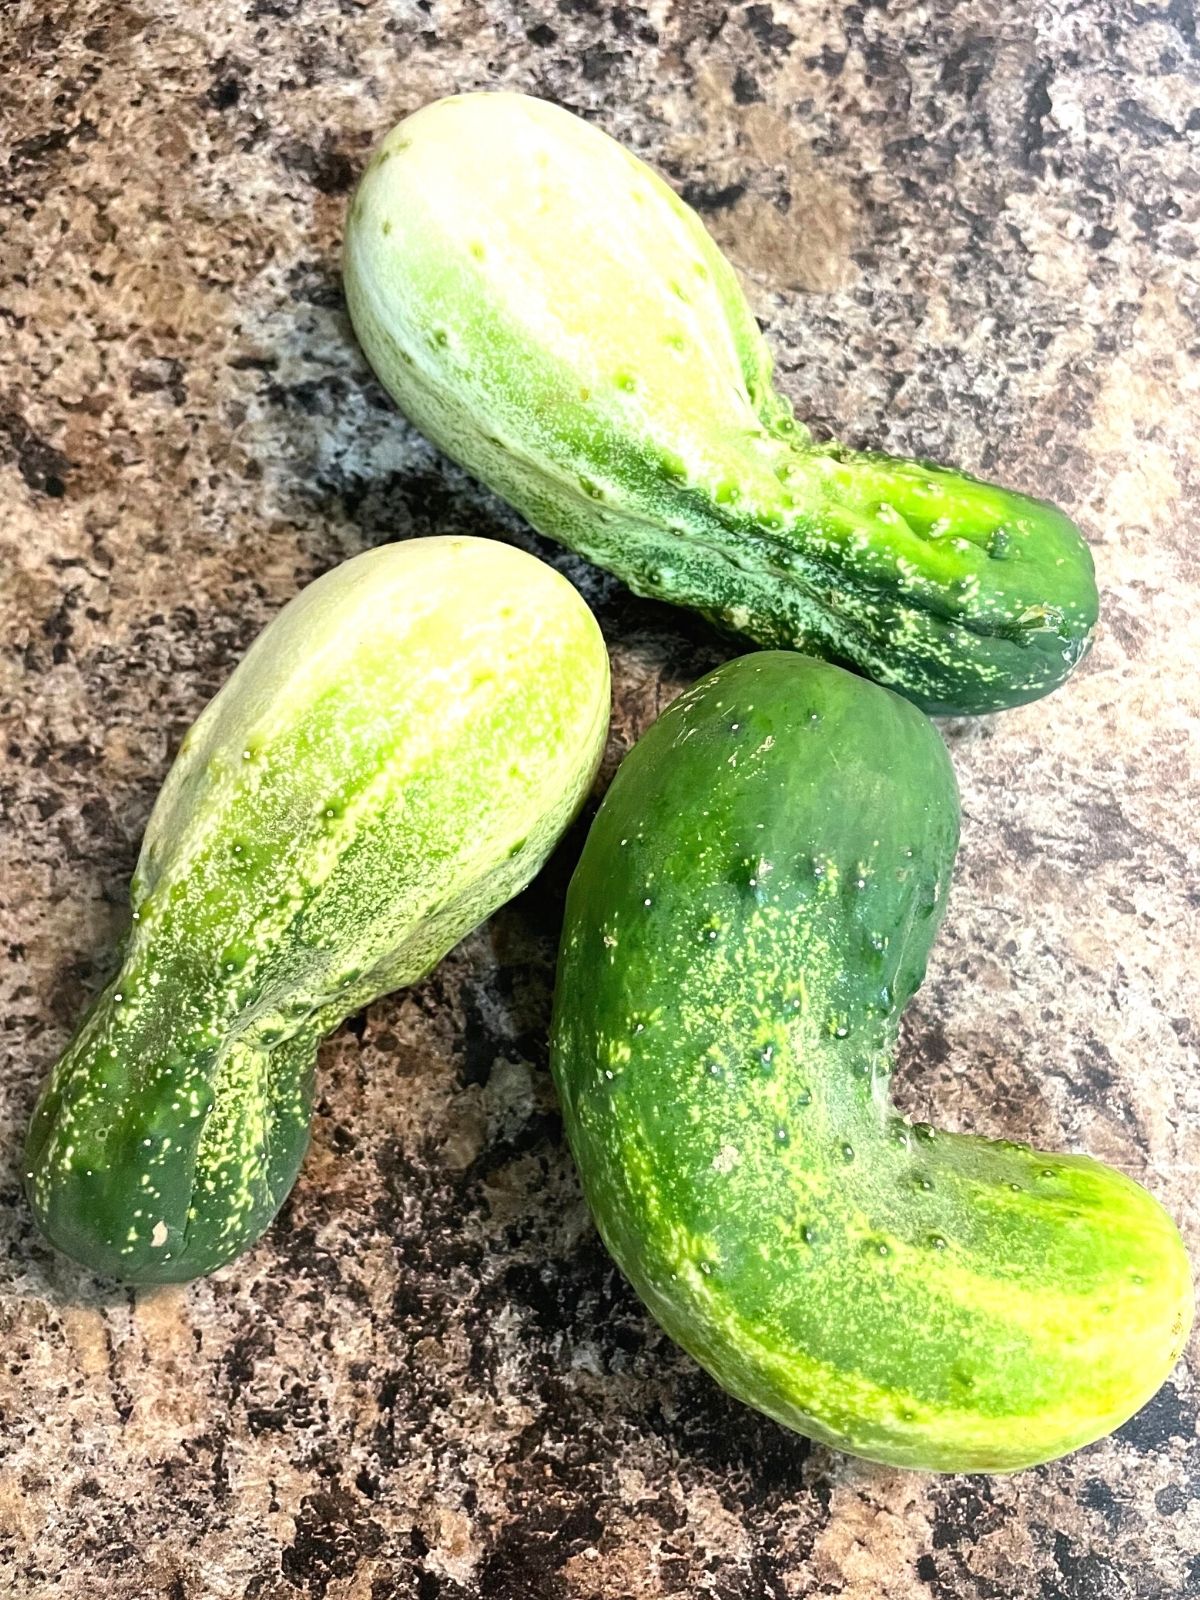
(971, 231)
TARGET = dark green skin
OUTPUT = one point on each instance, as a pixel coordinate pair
(216, 1207)
(752, 911)
(961, 595)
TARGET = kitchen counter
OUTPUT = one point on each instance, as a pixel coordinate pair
(970, 230)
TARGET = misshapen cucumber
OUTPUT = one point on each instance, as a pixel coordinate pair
(395, 758)
(752, 911)
(556, 318)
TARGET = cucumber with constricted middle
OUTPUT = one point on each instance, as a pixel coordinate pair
(556, 318)
(753, 908)
(395, 758)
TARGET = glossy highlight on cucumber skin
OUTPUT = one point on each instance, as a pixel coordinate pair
(752, 911)
(395, 757)
(554, 317)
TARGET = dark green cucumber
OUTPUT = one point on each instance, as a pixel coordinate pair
(394, 759)
(555, 317)
(753, 909)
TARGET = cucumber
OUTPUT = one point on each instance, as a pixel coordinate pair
(550, 313)
(394, 758)
(752, 910)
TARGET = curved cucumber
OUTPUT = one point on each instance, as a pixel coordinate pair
(548, 311)
(752, 911)
(395, 758)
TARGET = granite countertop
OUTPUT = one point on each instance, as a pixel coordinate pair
(971, 231)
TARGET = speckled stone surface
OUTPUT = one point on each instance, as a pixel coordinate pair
(971, 230)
